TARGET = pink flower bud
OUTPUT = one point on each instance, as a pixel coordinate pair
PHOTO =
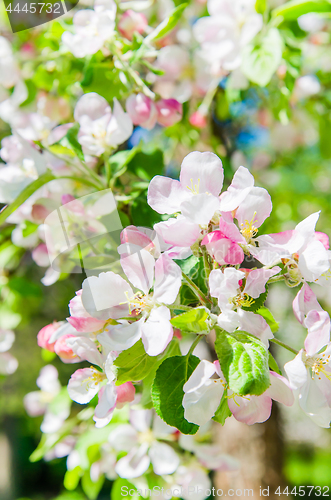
(64, 351)
(169, 111)
(198, 120)
(39, 212)
(142, 111)
(40, 255)
(132, 22)
(125, 393)
(45, 334)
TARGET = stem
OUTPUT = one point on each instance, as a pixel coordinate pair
(206, 262)
(201, 296)
(179, 307)
(208, 99)
(274, 279)
(282, 344)
(193, 346)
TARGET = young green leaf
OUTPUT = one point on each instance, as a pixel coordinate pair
(25, 194)
(71, 138)
(296, 8)
(197, 320)
(167, 391)
(244, 362)
(134, 364)
(267, 315)
(223, 411)
(261, 61)
(273, 364)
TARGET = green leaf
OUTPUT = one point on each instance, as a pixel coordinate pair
(260, 6)
(244, 362)
(162, 30)
(261, 61)
(187, 264)
(71, 137)
(119, 161)
(257, 303)
(71, 478)
(91, 488)
(25, 195)
(134, 364)
(296, 8)
(197, 321)
(167, 391)
(223, 411)
(267, 315)
(273, 364)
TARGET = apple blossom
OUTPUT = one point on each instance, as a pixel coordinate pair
(101, 128)
(132, 22)
(142, 111)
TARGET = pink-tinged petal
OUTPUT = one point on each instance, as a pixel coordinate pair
(223, 250)
(280, 389)
(251, 409)
(165, 195)
(318, 324)
(255, 325)
(168, 279)
(102, 294)
(64, 351)
(125, 393)
(85, 349)
(40, 255)
(34, 403)
(315, 403)
(131, 234)
(212, 458)
(296, 371)
(272, 247)
(64, 328)
(169, 112)
(157, 331)
(139, 268)
(164, 458)
(106, 404)
(230, 230)
(131, 22)
(257, 279)
(242, 183)
(304, 302)
(203, 171)
(122, 336)
(134, 464)
(48, 381)
(44, 336)
(83, 385)
(225, 286)
(80, 319)
(313, 261)
(323, 238)
(255, 208)
(178, 231)
(200, 208)
(142, 111)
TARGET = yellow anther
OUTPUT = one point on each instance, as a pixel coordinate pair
(248, 230)
(96, 377)
(194, 188)
(243, 300)
(138, 302)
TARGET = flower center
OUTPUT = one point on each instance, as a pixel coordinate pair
(319, 365)
(242, 299)
(138, 302)
(194, 188)
(96, 377)
(248, 230)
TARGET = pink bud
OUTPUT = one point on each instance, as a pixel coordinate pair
(169, 111)
(323, 238)
(40, 255)
(142, 111)
(63, 350)
(125, 393)
(198, 120)
(39, 212)
(131, 22)
(45, 334)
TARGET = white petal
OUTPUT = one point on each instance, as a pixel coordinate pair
(168, 279)
(239, 188)
(122, 336)
(164, 459)
(7, 338)
(82, 387)
(139, 268)
(157, 331)
(123, 438)
(280, 389)
(203, 170)
(200, 208)
(296, 371)
(134, 464)
(200, 405)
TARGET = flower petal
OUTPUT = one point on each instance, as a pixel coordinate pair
(165, 195)
(168, 279)
(82, 387)
(164, 458)
(157, 331)
(203, 170)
